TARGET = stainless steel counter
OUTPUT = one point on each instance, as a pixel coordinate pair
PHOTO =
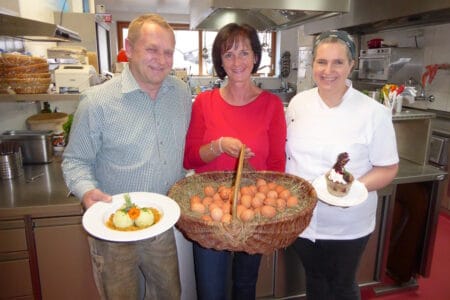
(46, 196)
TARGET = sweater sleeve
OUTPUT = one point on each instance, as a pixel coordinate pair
(276, 160)
(194, 136)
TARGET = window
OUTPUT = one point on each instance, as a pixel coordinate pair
(193, 49)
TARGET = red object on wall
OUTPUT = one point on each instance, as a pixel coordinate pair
(122, 56)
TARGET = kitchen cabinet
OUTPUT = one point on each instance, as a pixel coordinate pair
(45, 258)
(63, 257)
(15, 274)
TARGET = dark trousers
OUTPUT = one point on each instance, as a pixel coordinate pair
(212, 274)
(330, 267)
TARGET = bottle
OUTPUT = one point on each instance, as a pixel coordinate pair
(46, 108)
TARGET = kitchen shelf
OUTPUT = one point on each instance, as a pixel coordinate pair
(38, 97)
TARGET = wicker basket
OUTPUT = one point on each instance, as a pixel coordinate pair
(258, 236)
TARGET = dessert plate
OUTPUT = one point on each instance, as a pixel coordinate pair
(357, 194)
(95, 218)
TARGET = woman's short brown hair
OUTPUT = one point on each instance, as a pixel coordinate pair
(227, 37)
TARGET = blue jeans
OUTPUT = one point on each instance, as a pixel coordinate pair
(212, 274)
(330, 267)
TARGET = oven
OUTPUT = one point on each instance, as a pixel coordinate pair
(439, 156)
(395, 65)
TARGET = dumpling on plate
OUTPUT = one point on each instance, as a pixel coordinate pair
(145, 219)
(121, 219)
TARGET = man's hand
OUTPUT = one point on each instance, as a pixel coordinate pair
(93, 196)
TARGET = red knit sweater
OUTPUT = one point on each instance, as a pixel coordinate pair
(260, 125)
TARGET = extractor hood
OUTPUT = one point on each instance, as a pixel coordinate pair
(32, 30)
(368, 16)
(263, 15)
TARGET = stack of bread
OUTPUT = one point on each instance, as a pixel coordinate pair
(24, 74)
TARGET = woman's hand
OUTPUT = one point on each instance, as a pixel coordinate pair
(232, 147)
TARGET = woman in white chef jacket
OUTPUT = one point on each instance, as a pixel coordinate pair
(321, 123)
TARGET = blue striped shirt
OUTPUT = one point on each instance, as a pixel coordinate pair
(123, 141)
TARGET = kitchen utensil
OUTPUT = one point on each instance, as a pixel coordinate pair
(11, 165)
(36, 145)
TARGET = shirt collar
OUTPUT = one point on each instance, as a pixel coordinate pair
(129, 83)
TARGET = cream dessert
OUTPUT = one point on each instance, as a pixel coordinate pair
(339, 180)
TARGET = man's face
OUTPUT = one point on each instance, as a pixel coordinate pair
(151, 56)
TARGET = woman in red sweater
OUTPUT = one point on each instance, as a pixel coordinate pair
(222, 121)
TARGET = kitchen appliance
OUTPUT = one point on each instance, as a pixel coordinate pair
(35, 30)
(36, 145)
(439, 156)
(368, 16)
(262, 14)
(438, 152)
(394, 65)
(72, 78)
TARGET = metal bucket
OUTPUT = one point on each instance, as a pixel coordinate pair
(11, 165)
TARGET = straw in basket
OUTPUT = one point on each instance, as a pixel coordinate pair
(260, 235)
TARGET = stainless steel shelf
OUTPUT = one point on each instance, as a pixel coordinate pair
(39, 97)
(412, 114)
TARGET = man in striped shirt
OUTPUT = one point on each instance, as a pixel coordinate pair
(128, 135)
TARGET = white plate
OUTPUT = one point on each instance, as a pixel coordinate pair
(95, 218)
(357, 194)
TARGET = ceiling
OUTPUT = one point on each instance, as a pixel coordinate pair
(141, 6)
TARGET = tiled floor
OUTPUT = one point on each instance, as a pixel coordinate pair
(437, 286)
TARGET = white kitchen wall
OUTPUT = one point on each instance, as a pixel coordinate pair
(435, 41)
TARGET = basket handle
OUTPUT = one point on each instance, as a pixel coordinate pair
(238, 181)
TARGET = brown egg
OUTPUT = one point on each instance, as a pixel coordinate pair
(212, 206)
(279, 188)
(281, 204)
(272, 185)
(216, 196)
(226, 218)
(209, 191)
(270, 201)
(260, 182)
(292, 201)
(257, 211)
(246, 200)
(217, 214)
(260, 195)
(247, 215)
(207, 201)
(226, 207)
(285, 194)
(253, 188)
(245, 190)
(272, 194)
(195, 199)
(239, 209)
(263, 189)
(257, 202)
(268, 211)
(198, 207)
(207, 218)
(225, 193)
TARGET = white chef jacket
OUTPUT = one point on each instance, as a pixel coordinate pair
(316, 134)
